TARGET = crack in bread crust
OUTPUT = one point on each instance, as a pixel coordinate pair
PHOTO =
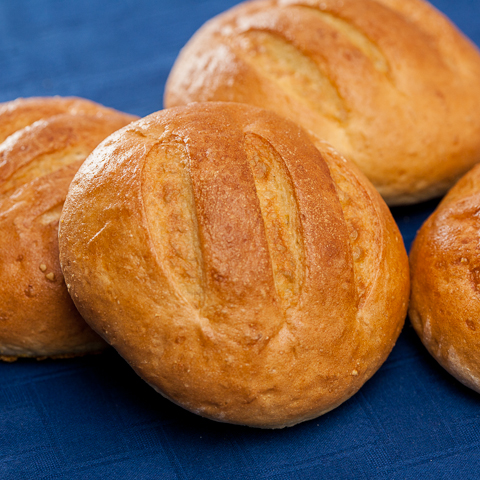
(365, 235)
(279, 60)
(357, 37)
(280, 214)
(171, 214)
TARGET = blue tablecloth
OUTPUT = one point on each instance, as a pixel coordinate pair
(92, 417)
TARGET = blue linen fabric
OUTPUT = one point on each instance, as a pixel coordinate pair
(92, 417)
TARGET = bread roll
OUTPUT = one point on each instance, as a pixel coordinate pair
(445, 266)
(43, 141)
(245, 273)
(391, 84)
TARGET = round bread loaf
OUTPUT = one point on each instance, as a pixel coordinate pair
(245, 270)
(445, 272)
(43, 142)
(391, 84)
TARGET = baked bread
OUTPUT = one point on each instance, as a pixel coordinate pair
(391, 84)
(445, 272)
(244, 273)
(43, 142)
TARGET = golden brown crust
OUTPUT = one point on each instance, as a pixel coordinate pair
(45, 140)
(445, 271)
(242, 273)
(392, 84)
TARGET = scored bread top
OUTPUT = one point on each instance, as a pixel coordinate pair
(445, 305)
(43, 143)
(243, 268)
(391, 84)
